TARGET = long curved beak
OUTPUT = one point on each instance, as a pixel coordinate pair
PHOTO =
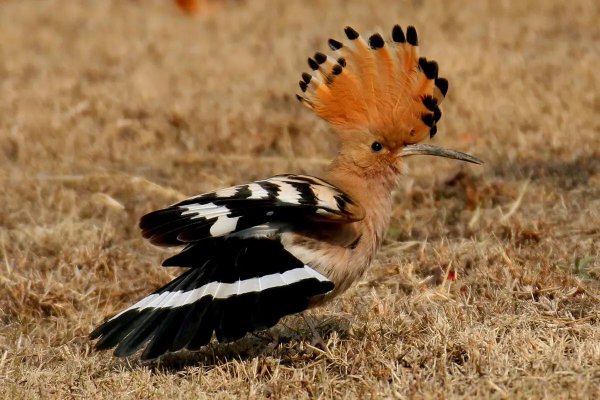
(431, 150)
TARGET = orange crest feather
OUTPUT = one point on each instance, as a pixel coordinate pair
(383, 87)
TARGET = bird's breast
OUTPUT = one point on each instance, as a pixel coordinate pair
(343, 265)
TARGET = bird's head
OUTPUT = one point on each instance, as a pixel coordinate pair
(382, 98)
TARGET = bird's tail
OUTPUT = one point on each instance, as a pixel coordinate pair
(378, 85)
(232, 287)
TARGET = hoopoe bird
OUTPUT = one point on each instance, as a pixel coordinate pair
(274, 247)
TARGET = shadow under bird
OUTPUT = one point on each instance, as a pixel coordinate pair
(266, 249)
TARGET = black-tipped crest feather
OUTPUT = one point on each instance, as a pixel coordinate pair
(398, 34)
(351, 33)
(411, 36)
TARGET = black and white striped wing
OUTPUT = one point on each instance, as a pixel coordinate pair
(255, 209)
(234, 286)
(241, 278)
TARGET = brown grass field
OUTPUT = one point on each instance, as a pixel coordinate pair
(109, 109)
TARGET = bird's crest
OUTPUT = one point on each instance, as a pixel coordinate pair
(376, 85)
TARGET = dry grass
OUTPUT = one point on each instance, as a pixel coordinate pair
(109, 109)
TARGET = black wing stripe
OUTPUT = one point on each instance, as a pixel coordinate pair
(165, 333)
(283, 199)
(145, 325)
(191, 326)
(114, 331)
(172, 235)
(140, 333)
(195, 317)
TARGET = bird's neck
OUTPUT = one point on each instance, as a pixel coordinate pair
(372, 191)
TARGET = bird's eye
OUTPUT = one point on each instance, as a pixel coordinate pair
(376, 147)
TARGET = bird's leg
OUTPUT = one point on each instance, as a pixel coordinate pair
(272, 339)
(316, 340)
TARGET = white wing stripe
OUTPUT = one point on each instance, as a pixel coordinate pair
(206, 211)
(257, 231)
(219, 290)
(198, 207)
(287, 193)
(325, 196)
(257, 191)
(315, 274)
(223, 225)
(227, 192)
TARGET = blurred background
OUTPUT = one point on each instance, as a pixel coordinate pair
(109, 109)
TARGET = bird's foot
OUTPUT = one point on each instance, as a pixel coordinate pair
(316, 340)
